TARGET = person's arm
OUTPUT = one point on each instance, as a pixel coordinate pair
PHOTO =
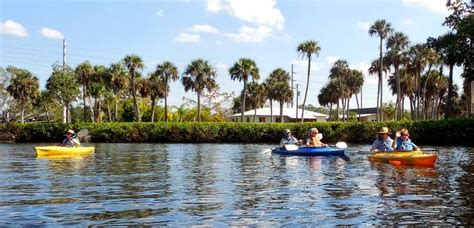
(76, 142)
(282, 142)
(375, 145)
(415, 147)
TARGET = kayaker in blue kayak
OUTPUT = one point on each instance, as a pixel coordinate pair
(288, 138)
(383, 141)
(403, 141)
(313, 139)
(71, 140)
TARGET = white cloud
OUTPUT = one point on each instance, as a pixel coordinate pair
(222, 66)
(250, 34)
(364, 25)
(332, 59)
(302, 65)
(52, 33)
(435, 6)
(261, 12)
(160, 13)
(203, 28)
(188, 38)
(214, 6)
(12, 28)
(407, 22)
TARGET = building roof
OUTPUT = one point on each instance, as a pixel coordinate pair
(288, 112)
(364, 110)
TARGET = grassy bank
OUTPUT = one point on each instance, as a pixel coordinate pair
(451, 132)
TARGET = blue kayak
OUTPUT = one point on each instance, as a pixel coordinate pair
(310, 151)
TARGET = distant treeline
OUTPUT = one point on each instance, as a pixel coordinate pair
(458, 132)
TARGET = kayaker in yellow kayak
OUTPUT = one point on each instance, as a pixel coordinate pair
(71, 140)
(383, 141)
(403, 141)
(313, 139)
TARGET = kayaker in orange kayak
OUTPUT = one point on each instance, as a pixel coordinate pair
(383, 141)
(71, 140)
(313, 139)
(403, 141)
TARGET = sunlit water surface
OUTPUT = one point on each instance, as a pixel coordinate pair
(230, 184)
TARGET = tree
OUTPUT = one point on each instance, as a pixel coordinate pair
(134, 63)
(278, 88)
(307, 49)
(199, 76)
(158, 88)
(117, 78)
(62, 84)
(355, 83)
(382, 29)
(84, 72)
(397, 44)
(243, 70)
(170, 72)
(340, 73)
(23, 86)
(256, 96)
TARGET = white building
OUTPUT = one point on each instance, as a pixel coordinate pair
(289, 115)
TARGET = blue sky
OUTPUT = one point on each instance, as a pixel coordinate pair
(221, 31)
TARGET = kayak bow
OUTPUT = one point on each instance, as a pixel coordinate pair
(416, 157)
(61, 150)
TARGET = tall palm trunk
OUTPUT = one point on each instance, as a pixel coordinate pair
(166, 101)
(330, 110)
(425, 99)
(398, 115)
(134, 96)
(84, 101)
(380, 81)
(199, 108)
(281, 111)
(271, 111)
(22, 111)
(116, 108)
(337, 111)
(358, 108)
(450, 91)
(255, 115)
(109, 112)
(153, 103)
(244, 94)
(306, 91)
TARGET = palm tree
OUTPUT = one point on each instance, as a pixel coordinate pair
(397, 44)
(170, 72)
(84, 72)
(418, 61)
(243, 70)
(355, 83)
(449, 48)
(277, 86)
(307, 49)
(199, 75)
(24, 86)
(134, 63)
(256, 96)
(97, 89)
(117, 78)
(382, 29)
(158, 89)
(340, 72)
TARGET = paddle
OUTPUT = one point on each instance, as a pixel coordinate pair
(291, 147)
(341, 145)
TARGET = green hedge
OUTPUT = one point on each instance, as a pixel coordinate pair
(450, 132)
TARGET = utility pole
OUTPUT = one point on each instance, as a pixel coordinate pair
(292, 88)
(64, 67)
(297, 95)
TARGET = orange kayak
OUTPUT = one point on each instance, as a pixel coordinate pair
(416, 157)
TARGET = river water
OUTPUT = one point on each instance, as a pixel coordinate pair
(230, 185)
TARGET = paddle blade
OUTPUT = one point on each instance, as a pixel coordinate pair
(341, 145)
(319, 136)
(82, 133)
(291, 147)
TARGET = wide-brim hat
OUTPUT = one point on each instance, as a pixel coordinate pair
(314, 130)
(384, 130)
(287, 131)
(70, 131)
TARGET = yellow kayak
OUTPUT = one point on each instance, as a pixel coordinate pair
(62, 150)
(416, 157)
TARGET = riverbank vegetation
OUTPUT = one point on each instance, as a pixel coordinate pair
(433, 132)
(122, 92)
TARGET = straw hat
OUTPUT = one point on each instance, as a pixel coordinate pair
(384, 130)
(314, 130)
(70, 131)
(287, 131)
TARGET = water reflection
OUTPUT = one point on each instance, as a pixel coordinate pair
(229, 184)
